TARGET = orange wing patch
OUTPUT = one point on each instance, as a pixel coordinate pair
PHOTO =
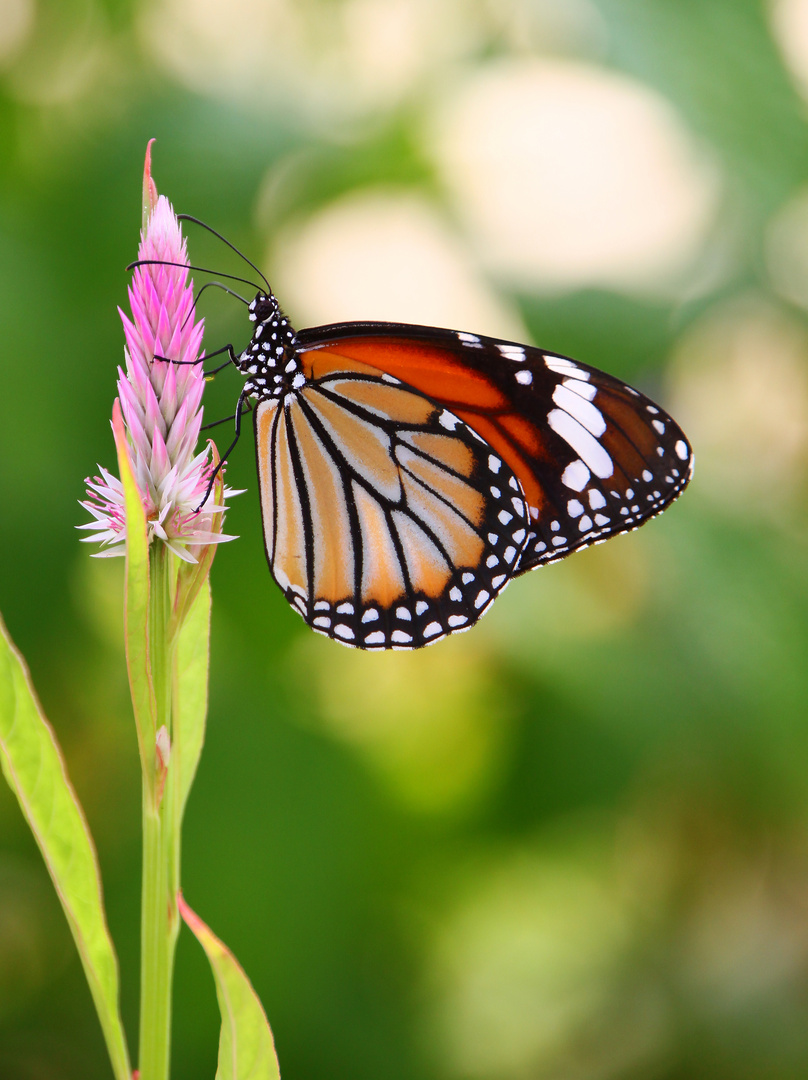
(382, 577)
(328, 510)
(428, 570)
(452, 453)
(382, 400)
(265, 417)
(464, 498)
(431, 370)
(285, 512)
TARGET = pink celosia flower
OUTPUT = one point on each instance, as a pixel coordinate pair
(161, 407)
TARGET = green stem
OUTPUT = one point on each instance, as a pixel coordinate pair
(159, 918)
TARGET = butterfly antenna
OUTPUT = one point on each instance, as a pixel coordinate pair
(198, 269)
(196, 221)
(208, 285)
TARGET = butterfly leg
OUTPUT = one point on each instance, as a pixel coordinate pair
(231, 359)
(240, 408)
(224, 420)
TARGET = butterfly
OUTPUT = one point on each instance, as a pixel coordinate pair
(408, 473)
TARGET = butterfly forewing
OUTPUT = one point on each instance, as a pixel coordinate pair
(593, 456)
(388, 522)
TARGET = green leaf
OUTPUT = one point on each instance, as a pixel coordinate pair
(246, 1046)
(33, 766)
(136, 603)
(191, 692)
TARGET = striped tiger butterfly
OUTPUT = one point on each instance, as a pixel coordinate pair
(408, 473)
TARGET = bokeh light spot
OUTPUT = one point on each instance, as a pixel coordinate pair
(568, 175)
(387, 255)
(16, 23)
(740, 390)
(433, 723)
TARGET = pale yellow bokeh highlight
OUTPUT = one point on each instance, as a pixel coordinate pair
(528, 969)
(573, 955)
(385, 255)
(323, 60)
(73, 54)
(433, 723)
(592, 597)
(17, 19)
(740, 390)
(787, 249)
(569, 27)
(789, 20)
(568, 175)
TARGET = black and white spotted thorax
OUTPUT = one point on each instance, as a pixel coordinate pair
(271, 360)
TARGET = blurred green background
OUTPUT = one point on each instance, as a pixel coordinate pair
(572, 844)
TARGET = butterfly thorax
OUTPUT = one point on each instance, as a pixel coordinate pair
(271, 359)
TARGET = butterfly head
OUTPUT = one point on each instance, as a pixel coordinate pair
(271, 357)
(264, 307)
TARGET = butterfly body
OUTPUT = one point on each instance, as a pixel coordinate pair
(408, 473)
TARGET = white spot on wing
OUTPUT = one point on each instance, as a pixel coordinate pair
(512, 352)
(584, 411)
(576, 475)
(524, 377)
(681, 450)
(561, 366)
(583, 389)
(582, 442)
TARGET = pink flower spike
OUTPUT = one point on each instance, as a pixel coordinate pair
(161, 405)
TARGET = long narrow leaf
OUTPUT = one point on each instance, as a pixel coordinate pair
(33, 766)
(246, 1046)
(191, 692)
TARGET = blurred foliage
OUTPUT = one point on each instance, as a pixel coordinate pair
(571, 844)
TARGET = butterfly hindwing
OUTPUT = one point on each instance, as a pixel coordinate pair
(388, 522)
